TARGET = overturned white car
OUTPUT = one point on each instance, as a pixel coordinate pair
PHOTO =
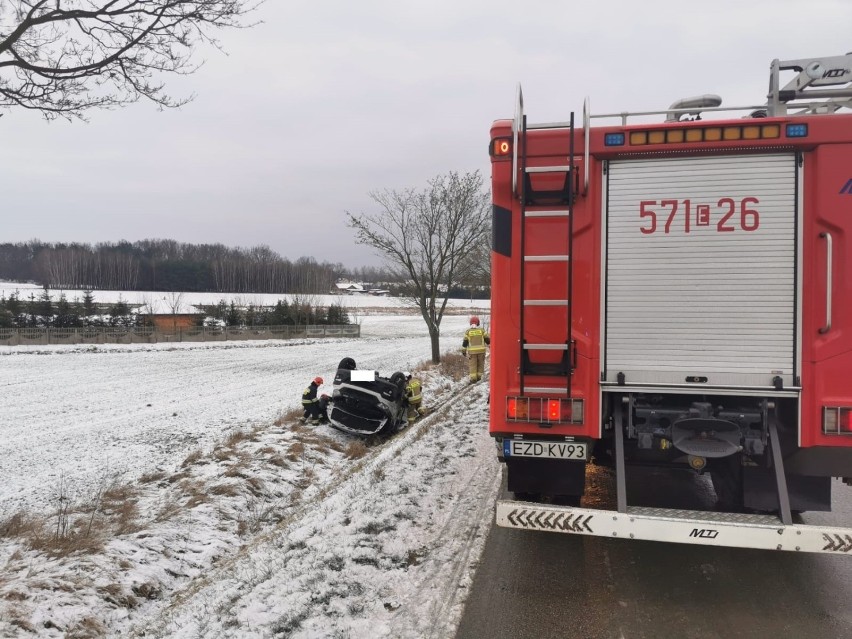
(365, 403)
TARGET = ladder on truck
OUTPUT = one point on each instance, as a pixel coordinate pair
(537, 205)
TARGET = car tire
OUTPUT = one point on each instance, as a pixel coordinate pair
(347, 363)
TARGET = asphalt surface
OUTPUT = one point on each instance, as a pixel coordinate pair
(551, 585)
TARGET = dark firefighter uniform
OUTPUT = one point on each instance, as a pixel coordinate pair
(310, 401)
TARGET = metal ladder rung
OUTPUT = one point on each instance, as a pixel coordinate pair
(562, 168)
(547, 258)
(545, 302)
(546, 213)
(546, 347)
(549, 125)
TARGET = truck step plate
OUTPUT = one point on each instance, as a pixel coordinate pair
(678, 526)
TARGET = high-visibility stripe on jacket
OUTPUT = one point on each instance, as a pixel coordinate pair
(309, 396)
(475, 340)
(414, 391)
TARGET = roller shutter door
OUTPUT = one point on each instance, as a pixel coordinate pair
(700, 264)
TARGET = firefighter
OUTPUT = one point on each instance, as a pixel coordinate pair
(413, 398)
(310, 402)
(473, 345)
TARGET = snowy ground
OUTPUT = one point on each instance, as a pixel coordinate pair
(195, 505)
(161, 302)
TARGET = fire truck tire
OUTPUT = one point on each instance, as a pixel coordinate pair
(726, 475)
(566, 500)
(533, 497)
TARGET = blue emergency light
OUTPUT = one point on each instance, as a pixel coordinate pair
(614, 139)
(797, 130)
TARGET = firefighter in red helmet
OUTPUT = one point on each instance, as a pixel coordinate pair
(310, 402)
(473, 345)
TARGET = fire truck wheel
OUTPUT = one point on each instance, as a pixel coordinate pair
(566, 500)
(533, 497)
(727, 477)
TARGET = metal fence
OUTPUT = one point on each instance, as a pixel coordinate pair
(139, 335)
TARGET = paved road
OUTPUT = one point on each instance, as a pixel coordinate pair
(549, 585)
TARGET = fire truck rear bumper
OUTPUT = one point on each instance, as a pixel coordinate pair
(677, 526)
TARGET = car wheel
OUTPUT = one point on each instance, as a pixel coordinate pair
(347, 363)
(398, 379)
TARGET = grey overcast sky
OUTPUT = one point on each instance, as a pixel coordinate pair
(328, 100)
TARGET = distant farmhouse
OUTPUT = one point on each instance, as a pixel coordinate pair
(357, 288)
(347, 287)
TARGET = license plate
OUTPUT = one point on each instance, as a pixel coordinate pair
(550, 450)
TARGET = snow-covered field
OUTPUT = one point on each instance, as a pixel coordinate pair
(210, 512)
(160, 302)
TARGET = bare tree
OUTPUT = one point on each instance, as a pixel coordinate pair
(63, 57)
(427, 237)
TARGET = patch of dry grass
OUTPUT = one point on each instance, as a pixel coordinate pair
(277, 460)
(454, 365)
(289, 416)
(18, 525)
(225, 490)
(256, 486)
(73, 541)
(150, 478)
(256, 514)
(86, 628)
(306, 479)
(356, 450)
(177, 477)
(193, 458)
(296, 450)
(23, 624)
(120, 505)
(194, 491)
(71, 529)
(236, 470)
(170, 508)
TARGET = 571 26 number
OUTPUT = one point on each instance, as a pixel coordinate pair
(663, 215)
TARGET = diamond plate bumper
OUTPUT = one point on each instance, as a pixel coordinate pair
(677, 526)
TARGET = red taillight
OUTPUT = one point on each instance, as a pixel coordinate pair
(553, 412)
(544, 410)
(846, 420)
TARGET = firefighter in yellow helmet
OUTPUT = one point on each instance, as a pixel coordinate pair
(413, 398)
(473, 345)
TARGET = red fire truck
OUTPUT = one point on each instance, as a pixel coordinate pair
(674, 289)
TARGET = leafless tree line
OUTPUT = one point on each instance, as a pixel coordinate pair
(79, 268)
(165, 265)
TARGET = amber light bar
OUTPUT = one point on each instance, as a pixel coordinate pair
(837, 420)
(706, 134)
(544, 410)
